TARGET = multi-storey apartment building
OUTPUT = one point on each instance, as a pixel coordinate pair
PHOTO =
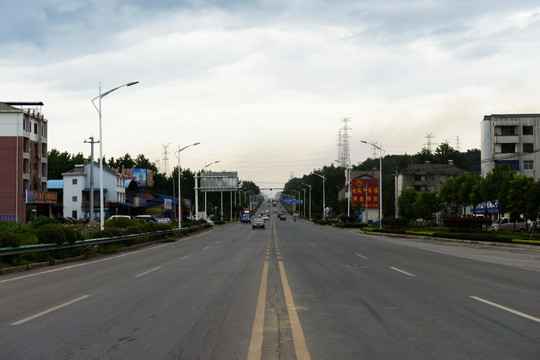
(423, 177)
(23, 159)
(512, 139)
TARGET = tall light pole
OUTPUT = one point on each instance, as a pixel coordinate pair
(206, 192)
(349, 193)
(301, 188)
(197, 192)
(98, 108)
(380, 179)
(323, 194)
(309, 199)
(299, 197)
(177, 154)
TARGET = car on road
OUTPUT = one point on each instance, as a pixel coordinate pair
(265, 217)
(257, 223)
(504, 224)
(146, 219)
(282, 217)
(120, 217)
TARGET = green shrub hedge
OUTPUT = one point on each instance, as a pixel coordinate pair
(9, 240)
(51, 234)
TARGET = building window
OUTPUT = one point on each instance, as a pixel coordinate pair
(431, 177)
(35, 149)
(528, 148)
(74, 198)
(74, 181)
(35, 128)
(74, 214)
(528, 164)
(417, 177)
(409, 177)
(512, 164)
(508, 148)
(507, 130)
(527, 130)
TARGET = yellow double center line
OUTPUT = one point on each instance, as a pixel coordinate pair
(255, 345)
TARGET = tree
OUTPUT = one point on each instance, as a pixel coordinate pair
(123, 162)
(426, 204)
(59, 163)
(405, 203)
(532, 208)
(519, 191)
(448, 194)
(496, 185)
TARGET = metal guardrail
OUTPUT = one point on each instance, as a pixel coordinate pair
(27, 249)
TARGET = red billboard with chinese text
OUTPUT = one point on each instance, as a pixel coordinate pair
(365, 191)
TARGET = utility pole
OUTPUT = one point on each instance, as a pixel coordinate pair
(92, 142)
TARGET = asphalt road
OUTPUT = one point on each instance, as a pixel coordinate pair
(292, 291)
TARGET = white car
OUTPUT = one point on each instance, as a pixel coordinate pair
(265, 217)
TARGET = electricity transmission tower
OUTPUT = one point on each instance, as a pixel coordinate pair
(165, 169)
(344, 156)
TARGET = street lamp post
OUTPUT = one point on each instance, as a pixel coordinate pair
(323, 196)
(98, 108)
(197, 192)
(299, 197)
(309, 199)
(177, 154)
(301, 188)
(380, 179)
(206, 192)
(348, 187)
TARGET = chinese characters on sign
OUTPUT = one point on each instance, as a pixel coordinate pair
(41, 197)
(365, 191)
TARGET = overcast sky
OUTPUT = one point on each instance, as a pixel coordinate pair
(264, 85)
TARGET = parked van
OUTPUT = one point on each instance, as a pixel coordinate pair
(504, 224)
(120, 217)
(146, 218)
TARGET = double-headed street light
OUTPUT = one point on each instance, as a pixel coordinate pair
(380, 179)
(98, 108)
(323, 194)
(197, 192)
(177, 154)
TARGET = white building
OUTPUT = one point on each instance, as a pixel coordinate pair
(77, 191)
(512, 139)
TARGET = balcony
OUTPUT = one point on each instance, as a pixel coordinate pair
(506, 139)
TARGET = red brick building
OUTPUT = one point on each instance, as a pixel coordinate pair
(23, 162)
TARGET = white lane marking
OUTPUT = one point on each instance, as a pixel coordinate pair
(50, 310)
(362, 256)
(185, 257)
(401, 271)
(506, 309)
(206, 248)
(217, 242)
(149, 271)
(68, 267)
